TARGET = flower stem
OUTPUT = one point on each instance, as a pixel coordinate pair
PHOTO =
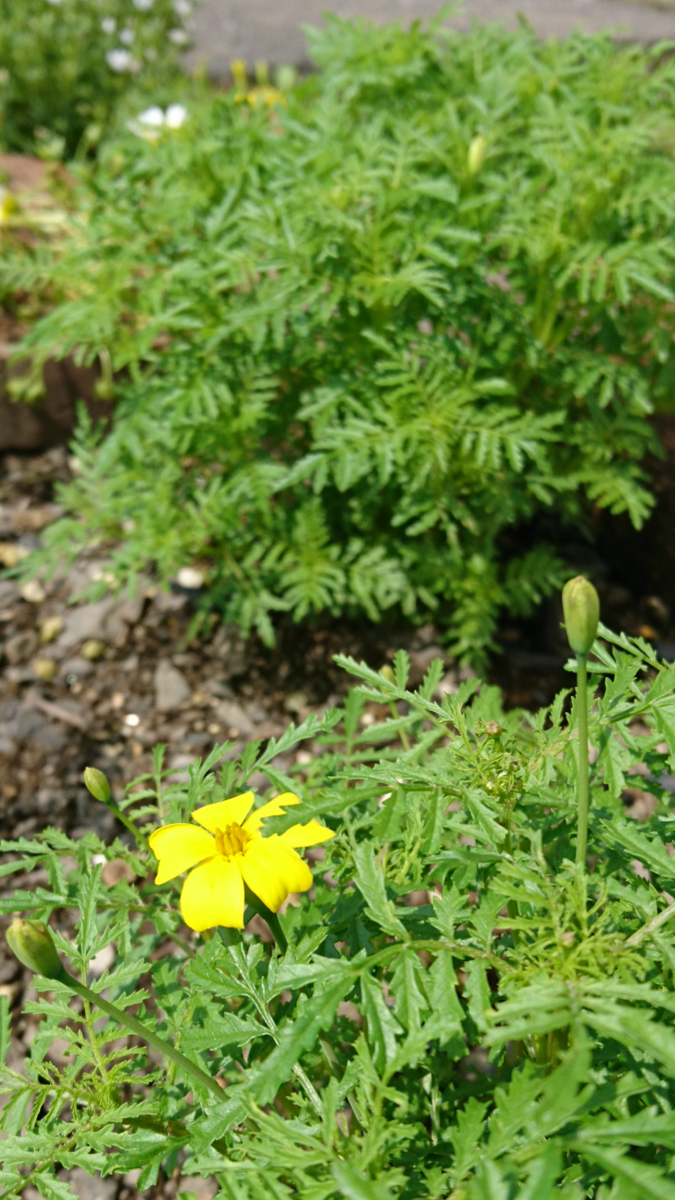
(271, 918)
(148, 1035)
(582, 727)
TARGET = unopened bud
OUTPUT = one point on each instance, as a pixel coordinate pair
(31, 942)
(493, 728)
(581, 608)
(97, 784)
(476, 155)
(388, 674)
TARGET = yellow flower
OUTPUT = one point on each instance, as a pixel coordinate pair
(228, 850)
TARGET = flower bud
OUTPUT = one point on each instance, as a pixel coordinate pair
(476, 155)
(97, 784)
(388, 673)
(31, 942)
(581, 608)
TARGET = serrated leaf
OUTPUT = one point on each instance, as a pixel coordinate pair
(355, 1186)
(298, 1036)
(371, 883)
(477, 990)
(383, 1028)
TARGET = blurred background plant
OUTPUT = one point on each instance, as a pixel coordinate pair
(366, 331)
(66, 64)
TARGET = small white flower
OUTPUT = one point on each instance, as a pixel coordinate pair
(176, 115)
(108, 24)
(127, 36)
(143, 5)
(152, 116)
(148, 124)
(182, 8)
(120, 60)
(178, 36)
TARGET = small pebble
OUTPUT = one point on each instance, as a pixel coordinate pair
(45, 669)
(51, 628)
(33, 591)
(190, 577)
(93, 649)
(11, 554)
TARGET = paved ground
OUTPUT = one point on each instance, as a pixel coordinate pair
(267, 29)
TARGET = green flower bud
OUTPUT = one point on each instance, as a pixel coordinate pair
(581, 608)
(388, 673)
(97, 784)
(476, 155)
(32, 944)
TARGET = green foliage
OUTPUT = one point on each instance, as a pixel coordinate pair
(351, 363)
(512, 1036)
(65, 65)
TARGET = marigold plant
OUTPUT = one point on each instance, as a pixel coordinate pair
(381, 347)
(456, 1008)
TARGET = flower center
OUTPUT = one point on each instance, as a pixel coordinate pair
(231, 840)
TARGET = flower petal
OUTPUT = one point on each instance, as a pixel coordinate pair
(224, 813)
(213, 894)
(179, 847)
(306, 835)
(273, 808)
(272, 870)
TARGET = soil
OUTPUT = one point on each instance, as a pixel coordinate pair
(100, 682)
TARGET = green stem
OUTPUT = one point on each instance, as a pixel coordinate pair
(405, 740)
(651, 926)
(134, 1026)
(267, 915)
(582, 727)
(511, 905)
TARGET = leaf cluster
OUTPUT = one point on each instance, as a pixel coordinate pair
(460, 1012)
(350, 365)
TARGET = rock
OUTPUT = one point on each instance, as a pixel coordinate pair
(50, 737)
(11, 553)
(169, 602)
(190, 578)
(33, 591)
(171, 686)
(295, 702)
(21, 647)
(102, 961)
(24, 724)
(115, 871)
(233, 716)
(77, 667)
(256, 712)
(32, 520)
(86, 621)
(9, 593)
(25, 426)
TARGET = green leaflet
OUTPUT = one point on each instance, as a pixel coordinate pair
(355, 1186)
(297, 1036)
(371, 882)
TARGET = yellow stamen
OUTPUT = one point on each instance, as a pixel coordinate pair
(231, 840)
